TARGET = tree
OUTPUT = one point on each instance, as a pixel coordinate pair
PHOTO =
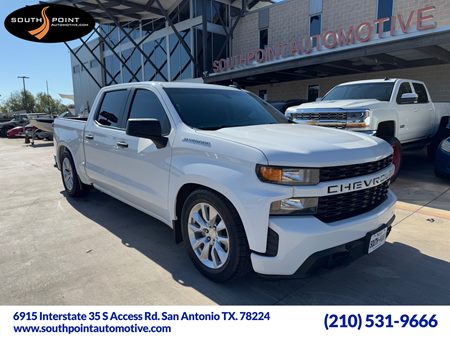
(15, 102)
(48, 105)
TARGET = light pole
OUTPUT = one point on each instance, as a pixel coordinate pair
(24, 90)
(48, 100)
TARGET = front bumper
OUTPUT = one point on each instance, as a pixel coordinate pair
(302, 237)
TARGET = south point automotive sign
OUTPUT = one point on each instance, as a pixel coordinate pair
(49, 23)
(418, 20)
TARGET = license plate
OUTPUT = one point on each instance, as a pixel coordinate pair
(377, 240)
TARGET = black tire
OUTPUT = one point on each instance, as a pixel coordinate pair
(238, 262)
(78, 188)
(3, 132)
(397, 155)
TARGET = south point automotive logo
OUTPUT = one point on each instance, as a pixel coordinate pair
(49, 23)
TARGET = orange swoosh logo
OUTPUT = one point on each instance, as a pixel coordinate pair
(42, 31)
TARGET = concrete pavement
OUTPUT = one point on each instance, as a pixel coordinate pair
(97, 250)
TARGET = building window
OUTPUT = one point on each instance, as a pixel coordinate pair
(313, 92)
(315, 6)
(263, 94)
(315, 23)
(93, 64)
(263, 38)
(76, 69)
(181, 13)
(385, 9)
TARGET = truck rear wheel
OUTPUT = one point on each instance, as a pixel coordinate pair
(214, 236)
(72, 183)
(397, 155)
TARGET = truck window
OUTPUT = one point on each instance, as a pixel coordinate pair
(421, 92)
(147, 105)
(212, 109)
(404, 88)
(112, 108)
(381, 91)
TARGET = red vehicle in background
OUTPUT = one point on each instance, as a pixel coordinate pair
(21, 131)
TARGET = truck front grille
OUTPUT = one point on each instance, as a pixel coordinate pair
(336, 207)
(347, 171)
(325, 116)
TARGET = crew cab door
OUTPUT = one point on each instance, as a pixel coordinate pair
(412, 120)
(100, 141)
(145, 169)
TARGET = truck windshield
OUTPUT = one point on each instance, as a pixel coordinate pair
(212, 109)
(366, 91)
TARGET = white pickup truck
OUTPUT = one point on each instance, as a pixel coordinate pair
(399, 111)
(238, 183)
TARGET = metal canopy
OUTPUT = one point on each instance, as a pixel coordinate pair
(122, 10)
(127, 17)
(408, 53)
(129, 10)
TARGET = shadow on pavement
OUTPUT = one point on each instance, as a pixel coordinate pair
(394, 274)
(42, 145)
(417, 183)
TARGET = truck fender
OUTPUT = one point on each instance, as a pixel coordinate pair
(248, 201)
(77, 158)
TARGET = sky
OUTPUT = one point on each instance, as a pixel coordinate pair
(39, 61)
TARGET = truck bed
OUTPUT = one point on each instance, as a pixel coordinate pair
(69, 131)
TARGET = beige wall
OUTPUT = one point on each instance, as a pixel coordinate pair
(246, 35)
(290, 19)
(338, 14)
(441, 14)
(435, 77)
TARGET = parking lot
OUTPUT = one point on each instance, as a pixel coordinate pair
(97, 250)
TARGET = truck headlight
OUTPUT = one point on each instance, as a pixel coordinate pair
(359, 119)
(295, 206)
(445, 145)
(288, 176)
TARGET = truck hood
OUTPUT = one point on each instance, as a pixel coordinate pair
(344, 104)
(304, 145)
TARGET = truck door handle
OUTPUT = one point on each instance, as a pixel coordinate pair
(122, 144)
(89, 137)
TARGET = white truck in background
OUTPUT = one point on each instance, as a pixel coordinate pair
(400, 111)
(238, 183)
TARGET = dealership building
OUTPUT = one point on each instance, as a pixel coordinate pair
(280, 50)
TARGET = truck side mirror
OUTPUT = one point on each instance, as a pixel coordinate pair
(147, 128)
(319, 99)
(408, 98)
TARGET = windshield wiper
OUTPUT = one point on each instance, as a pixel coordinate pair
(218, 127)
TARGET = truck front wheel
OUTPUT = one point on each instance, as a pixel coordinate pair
(397, 154)
(72, 183)
(214, 236)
